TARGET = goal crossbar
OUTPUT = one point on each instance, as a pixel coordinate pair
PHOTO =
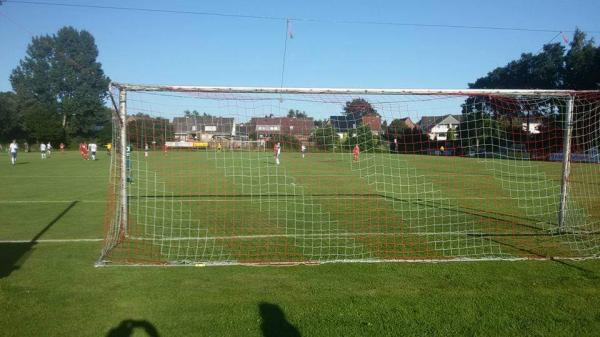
(350, 91)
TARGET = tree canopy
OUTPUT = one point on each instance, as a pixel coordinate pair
(552, 68)
(297, 114)
(359, 107)
(60, 87)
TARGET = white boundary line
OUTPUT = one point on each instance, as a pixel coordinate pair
(48, 201)
(368, 261)
(51, 241)
(272, 236)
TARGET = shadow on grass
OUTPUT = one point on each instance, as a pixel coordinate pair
(13, 254)
(274, 323)
(128, 328)
(587, 273)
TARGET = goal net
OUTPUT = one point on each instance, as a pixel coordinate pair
(214, 175)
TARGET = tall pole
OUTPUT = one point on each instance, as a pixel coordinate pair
(123, 158)
(566, 165)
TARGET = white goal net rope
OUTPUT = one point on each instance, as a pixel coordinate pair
(252, 175)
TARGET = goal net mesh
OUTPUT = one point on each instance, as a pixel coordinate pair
(223, 177)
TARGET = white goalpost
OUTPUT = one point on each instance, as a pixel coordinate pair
(392, 175)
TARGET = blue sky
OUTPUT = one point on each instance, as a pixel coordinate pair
(206, 50)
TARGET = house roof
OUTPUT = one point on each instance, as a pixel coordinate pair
(428, 122)
(185, 124)
(345, 122)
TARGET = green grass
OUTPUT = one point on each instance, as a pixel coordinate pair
(326, 208)
(53, 288)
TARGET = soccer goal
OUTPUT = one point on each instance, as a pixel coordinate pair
(245, 175)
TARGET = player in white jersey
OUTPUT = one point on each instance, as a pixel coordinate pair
(93, 148)
(146, 149)
(303, 150)
(49, 149)
(277, 152)
(13, 148)
(43, 150)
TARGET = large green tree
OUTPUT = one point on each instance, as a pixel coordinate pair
(325, 138)
(364, 137)
(61, 86)
(552, 68)
(359, 107)
(11, 119)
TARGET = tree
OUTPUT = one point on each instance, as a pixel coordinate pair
(325, 138)
(396, 128)
(578, 69)
(287, 142)
(41, 123)
(297, 114)
(363, 136)
(359, 107)
(61, 80)
(582, 63)
(11, 118)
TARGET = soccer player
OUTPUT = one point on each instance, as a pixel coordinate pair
(356, 152)
(128, 163)
(146, 149)
(277, 152)
(49, 149)
(303, 150)
(43, 150)
(85, 151)
(93, 148)
(12, 148)
(219, 147)
(62, 147)
(108, 148)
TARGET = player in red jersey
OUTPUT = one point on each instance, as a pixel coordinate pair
(356, 152)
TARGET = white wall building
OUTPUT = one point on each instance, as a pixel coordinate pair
(438, 127)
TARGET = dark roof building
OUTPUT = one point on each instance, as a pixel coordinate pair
(195, 126)
(297, 127)
(345, 123)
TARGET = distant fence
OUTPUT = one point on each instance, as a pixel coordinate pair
(577, 157)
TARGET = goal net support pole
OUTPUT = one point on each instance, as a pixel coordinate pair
(123, 159)
(566, 165)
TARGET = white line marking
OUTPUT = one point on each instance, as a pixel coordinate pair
(52, 241)
(48, 201)
(272, 236)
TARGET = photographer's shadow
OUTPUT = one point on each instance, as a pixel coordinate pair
(128, 327)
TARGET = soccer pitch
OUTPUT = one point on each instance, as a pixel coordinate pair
(52, 211)
(240, 207)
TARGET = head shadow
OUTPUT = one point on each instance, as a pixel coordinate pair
(274, 323)
(128, 327)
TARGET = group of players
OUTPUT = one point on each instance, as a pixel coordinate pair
(86, 149)
(277, 152)
(46, 150)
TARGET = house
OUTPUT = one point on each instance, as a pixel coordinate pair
(373, 121)
(437, 127)
(343, 124)
(202, 128)
(407, 122)
(300, 128)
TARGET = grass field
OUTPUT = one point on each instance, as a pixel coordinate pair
(52, 288)
(215, 207)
